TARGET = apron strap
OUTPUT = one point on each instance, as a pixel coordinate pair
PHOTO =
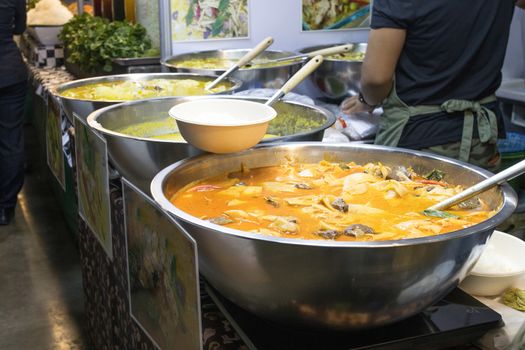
(486, 119)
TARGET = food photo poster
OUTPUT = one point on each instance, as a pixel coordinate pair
(54, 153)
(335, 14)
(163, 274)
(93, 183)
(196, 20)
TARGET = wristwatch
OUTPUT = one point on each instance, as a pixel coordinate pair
(363, 101)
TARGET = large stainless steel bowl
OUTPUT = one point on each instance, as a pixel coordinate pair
(337, 78)
(338, 285)
(139, 159)
(84, 107)
(268, 77)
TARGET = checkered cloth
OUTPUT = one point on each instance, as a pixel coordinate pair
(47, 56)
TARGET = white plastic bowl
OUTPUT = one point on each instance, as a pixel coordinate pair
(500, 265)
(45, 34)
(222, 125)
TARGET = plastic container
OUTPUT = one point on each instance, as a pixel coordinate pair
(491, 276)
(147, 14)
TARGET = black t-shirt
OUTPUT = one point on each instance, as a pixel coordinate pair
(454, 49)
(12, 21)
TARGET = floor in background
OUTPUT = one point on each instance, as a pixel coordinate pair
(41, 297)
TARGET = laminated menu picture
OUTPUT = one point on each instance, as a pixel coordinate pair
(335, 14)
(209, 19)
(55, 155)
(164, 291)
(93, 183)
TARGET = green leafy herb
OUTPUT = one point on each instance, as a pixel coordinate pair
(92, 42)
(439, 214)
(435, 175)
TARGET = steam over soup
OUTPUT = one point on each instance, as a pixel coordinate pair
(127, 90)
(332, 201)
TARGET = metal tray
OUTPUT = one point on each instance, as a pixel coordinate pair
(136, 61)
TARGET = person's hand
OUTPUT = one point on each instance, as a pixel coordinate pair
(352, 105)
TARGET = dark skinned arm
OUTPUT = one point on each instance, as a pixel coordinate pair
(379, 66)
(520, 4)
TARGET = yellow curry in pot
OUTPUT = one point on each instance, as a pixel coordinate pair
(332, 201)
(129, 90)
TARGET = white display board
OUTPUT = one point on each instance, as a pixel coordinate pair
(280, 19)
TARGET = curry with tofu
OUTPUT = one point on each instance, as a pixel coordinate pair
(332, 201)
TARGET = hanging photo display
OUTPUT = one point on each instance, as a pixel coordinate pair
(93, 183)
(335, 14)
(163, 274)
(54, 152)
(209, 19)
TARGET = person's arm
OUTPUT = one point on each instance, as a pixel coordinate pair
(520, 4)
(379, 66)
(20, 17)
(382, 54)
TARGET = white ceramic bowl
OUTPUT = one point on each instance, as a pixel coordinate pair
(222, 125)
(45, 34)
(500, 265)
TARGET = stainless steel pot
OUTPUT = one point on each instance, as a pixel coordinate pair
(84, 107)
(337, 78)
(268, 77)
(139, 159)
(327, 284)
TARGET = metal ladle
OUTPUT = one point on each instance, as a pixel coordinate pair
(323, 52)
(250, 55)
(497, 179)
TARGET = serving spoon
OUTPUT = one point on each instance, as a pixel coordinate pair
(250, 55)
(323, 52)
(497, 179)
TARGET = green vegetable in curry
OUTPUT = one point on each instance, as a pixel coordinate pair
(514, 298)
(166, 129)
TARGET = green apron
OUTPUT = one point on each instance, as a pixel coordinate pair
(396, 114)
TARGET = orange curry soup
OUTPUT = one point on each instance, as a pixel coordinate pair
(330, 201)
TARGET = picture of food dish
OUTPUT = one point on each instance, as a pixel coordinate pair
(209, 19)
(128, 90)
(330, 201)
(166, 129)
(335, 14)
(93, 183)
(163, 277)
(55, 155)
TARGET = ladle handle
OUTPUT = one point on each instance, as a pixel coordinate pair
(305, 71)
(263, 45)
(504, 175)
(332, 50)
(250, 55)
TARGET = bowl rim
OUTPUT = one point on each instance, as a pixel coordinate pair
(508, 274)
(136, 77)
(506, 208)
(166, 61)
(93, 116)
(44, 25)
(272, 113)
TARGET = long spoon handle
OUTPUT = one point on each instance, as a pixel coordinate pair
(332, 50)
(504, 175)
(306, 70)
(250, 55)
